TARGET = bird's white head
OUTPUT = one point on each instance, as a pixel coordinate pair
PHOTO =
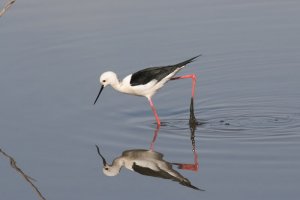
(108, 78)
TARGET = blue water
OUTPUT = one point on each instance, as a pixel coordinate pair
(247, 97)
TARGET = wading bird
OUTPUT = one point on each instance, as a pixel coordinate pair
(146, 82)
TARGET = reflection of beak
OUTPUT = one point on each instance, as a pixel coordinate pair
(99, 93)
(103, 159)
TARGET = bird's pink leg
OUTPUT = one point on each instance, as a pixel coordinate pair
(154, 112)
(193, 77)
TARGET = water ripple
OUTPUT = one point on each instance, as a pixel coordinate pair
(238, 122)
(250, 122)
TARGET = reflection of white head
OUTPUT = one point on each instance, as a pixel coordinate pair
(111, 170)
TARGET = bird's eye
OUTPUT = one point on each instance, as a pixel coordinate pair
(106, 168)
(104, 81)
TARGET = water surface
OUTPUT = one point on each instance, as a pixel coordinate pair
(247, 97)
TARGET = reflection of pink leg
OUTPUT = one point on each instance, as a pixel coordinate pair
(195, 165)
(193, 77)
(192, 167)
(154, 111)
(154, 138)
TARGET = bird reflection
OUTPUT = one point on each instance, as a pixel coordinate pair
(151, 163)
(145, 162)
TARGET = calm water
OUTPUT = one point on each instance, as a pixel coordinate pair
(248, 95)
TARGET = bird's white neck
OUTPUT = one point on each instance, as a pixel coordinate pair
(120, 86)
(117, 85)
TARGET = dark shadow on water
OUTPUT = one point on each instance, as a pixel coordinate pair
(27, 178)
(151, 163)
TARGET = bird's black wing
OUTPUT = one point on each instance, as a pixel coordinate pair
(144, 76)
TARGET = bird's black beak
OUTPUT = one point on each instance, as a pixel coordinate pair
(99, 93)
(103, 159)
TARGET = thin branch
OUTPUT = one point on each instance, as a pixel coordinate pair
(30, 180)
(7, 6)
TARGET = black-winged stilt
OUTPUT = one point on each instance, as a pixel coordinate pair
(147, 81)
(145, 162)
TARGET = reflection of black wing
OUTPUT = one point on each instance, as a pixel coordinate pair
(150, 172)
(144, 76)
(162, 174)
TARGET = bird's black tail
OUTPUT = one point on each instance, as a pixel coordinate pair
(186, 61)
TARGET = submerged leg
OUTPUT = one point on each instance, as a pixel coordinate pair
(154, 138)
(193, 121)
(193, 77)
(154, 112)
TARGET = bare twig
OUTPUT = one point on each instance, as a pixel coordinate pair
(13, 164)
(6, 7)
